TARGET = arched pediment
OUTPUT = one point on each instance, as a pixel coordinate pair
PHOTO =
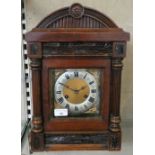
(76, 16)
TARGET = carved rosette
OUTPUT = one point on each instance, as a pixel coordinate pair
(34, 50)
(76, 10)
(119, 49)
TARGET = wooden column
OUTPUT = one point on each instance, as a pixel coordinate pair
(116, 69)
(115, 95)
(36, 136)
(36, 90)
(117, 56)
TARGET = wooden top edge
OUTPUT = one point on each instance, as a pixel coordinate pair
(75, 35)
(76, 30)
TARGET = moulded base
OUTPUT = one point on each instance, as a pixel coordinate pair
(106, 140)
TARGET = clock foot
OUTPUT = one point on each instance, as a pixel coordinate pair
(36, 141)
(115, 141)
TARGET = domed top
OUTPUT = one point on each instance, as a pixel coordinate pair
(76, 16)
(76, 24)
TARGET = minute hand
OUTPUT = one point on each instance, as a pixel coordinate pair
(66, 86)
(82, 88)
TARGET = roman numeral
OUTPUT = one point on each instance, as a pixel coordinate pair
(58, 92)
(67, 76)
(85, 106)
(67, 106)
(91, 99)
(91, 82)
(93, 90)
(76, 74)
(85, 76)
(76, 108)
(60, 100)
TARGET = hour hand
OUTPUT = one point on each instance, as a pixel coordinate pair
(64, 85)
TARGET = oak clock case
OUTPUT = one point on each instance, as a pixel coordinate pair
(76, 58)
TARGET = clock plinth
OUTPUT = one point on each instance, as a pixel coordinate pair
(76, 58)
(89, 141)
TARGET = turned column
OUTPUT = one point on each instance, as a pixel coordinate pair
(36, 90)
(36, 137)
(116, 63)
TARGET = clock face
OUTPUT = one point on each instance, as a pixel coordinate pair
(76, 91)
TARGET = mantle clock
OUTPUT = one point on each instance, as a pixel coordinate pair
(76, 58)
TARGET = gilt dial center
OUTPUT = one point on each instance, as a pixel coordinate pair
(78, 88)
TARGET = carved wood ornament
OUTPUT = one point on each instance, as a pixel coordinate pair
(76, 36)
